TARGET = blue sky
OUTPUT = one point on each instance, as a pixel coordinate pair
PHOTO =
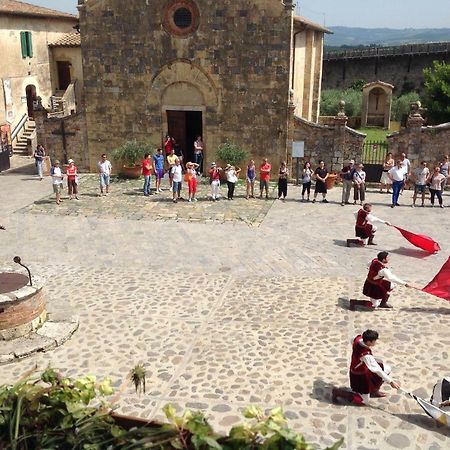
(354, 13)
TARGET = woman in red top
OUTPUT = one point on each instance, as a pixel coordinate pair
(168, 144)
(72, 179)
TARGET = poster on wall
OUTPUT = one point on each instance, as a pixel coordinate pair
(298, 149)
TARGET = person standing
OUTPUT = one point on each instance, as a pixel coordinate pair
(168, 144)
(39, 156)
(378, 284)
(385, 181)
(231, 173)
(191, 178)
(437, 181)
(444, 166)
(177, 180)
(199, 149)
(306, 180)
(104, 169)
(407, 170)
(72, 179)
(397, 176)
(147, 173)
(420, 175)
(365, 226)
(171, 160)
(283, 174)
(321, 175)
(347, 181)
(264, 177)
(214, 180)
(366, 373)
(158, 168)
(250, 179)
(359, 180)
(57, 180)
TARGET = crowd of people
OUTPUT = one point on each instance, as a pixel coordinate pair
(397, 175)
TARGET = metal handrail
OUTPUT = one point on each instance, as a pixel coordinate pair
(19, 126)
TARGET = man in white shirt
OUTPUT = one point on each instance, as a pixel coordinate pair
(407, 169)
(367, 374)
(421, 175)
(397, 175)
(104, 168)
(177, 180)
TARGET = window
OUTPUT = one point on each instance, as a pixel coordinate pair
(26, 43)
(181, 17)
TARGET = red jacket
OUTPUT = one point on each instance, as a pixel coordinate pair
(357, 367)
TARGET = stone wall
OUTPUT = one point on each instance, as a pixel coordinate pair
(405, 72)
(234, 69)
(335, 144)
(76, 144)
(421, 143)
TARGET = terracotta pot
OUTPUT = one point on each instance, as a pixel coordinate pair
(331, 180)
(131, 171)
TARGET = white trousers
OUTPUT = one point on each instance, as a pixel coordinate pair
(215, 187)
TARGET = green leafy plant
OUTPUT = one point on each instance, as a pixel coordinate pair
(138, 378)
(231, 153)
(437, 87)
(329, 104)
(401, 105)
(53, 412)
(131, 152)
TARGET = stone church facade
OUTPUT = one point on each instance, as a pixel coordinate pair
(224, 70)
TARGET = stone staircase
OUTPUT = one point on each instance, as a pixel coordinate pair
(20, 146)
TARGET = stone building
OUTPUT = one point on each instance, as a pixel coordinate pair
(26, 65)
(229, 70)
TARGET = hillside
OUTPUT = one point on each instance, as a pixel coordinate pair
(354, 37)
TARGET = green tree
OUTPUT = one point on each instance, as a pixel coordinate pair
(437, 88)
(329, 104)
(401, 105)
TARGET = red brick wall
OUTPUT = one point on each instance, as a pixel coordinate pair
(21, 312)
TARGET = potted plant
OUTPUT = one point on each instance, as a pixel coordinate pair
(229, 153)
(130, 154)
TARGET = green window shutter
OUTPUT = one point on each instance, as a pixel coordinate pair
(29, 44)
(23, 43)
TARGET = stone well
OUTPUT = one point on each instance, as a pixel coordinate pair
(22, 307)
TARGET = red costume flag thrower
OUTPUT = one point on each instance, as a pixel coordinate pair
(420, 241)
(440, 285)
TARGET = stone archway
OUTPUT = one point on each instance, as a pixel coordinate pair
(377, 102)
(189, 102)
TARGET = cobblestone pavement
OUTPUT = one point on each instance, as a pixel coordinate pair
(225, 314)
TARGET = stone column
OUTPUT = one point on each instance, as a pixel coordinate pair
(414, 126)
(339, 143)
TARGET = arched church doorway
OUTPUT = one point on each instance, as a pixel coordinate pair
(183, 114)
(184, 127)
(30, 92)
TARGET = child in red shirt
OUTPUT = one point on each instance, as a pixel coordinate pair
(147, 172)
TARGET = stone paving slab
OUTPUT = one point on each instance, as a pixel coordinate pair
(170, 292)
(126, 200)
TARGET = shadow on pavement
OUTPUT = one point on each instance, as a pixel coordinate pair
(444, 311)
(411, 252)
(425, 422)
(322, 391)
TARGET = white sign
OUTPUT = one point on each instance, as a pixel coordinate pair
(298, 149)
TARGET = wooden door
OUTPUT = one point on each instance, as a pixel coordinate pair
(64, 78)
(176, 124)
